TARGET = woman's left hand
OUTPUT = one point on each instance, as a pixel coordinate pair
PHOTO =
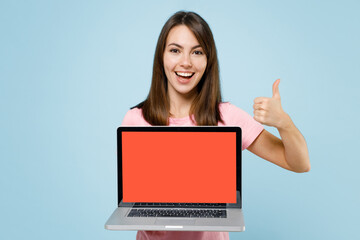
(268, 111)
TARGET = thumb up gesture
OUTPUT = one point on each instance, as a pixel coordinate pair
(268, 111)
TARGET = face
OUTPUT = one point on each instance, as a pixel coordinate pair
(184, 62)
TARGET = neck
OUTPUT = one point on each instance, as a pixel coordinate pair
(180, 104)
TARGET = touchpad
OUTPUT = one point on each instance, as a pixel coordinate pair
(177, 222)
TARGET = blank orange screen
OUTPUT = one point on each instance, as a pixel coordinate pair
(197, 167)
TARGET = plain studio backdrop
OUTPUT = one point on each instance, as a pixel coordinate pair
(70, 70)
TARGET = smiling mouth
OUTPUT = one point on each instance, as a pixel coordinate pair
(184, 75)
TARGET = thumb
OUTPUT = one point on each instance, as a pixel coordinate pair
(275, 89)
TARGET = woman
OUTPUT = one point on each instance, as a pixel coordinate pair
(185, 90)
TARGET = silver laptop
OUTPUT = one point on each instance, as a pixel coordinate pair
(178, 179)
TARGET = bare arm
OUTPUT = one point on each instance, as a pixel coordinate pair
(289, 152)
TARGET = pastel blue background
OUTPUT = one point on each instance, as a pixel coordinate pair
(70, 70)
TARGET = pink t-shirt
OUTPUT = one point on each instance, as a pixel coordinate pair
(232, 116)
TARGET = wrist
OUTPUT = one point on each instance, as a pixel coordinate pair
(285, 123)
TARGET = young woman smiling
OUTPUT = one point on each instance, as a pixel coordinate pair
(185, 90)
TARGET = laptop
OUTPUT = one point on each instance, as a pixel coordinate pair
(178, 179)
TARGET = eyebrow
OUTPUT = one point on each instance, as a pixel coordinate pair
(179, 46)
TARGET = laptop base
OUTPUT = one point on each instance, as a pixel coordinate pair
(118, 221)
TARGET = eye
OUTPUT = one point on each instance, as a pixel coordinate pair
(174, 50)
(197, 52)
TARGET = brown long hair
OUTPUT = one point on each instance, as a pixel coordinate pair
(205, 107)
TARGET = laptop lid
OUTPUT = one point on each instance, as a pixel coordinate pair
(179, 165)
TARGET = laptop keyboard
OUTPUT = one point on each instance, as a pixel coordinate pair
(187, 213)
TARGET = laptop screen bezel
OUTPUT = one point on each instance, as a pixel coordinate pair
(235, 129)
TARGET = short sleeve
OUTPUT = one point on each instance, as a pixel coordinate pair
(134, 117)
(234, 116)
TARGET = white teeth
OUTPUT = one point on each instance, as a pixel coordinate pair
(184, 74)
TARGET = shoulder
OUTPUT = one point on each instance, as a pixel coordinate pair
(134, 117)
(232, 114)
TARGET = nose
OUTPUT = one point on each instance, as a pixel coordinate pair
(186, 61)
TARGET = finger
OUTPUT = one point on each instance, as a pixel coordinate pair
(258, 118)
(259, 99)
(258, 106)
(275, 89)
(259, 113)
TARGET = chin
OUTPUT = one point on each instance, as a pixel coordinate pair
(186, 91)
